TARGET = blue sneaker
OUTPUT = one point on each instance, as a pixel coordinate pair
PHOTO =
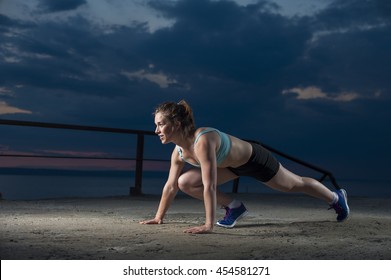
(341, 207)
(232, 215)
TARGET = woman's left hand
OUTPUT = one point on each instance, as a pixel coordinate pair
(199, 229)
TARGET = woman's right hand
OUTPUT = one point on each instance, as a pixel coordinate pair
(154, 221)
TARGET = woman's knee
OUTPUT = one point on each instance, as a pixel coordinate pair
(183, 183)
(188, 181)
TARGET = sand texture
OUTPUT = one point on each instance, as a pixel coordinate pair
(277, 227)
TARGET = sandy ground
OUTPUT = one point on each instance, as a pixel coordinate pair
(277, 227)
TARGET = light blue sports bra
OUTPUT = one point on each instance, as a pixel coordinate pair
(221, 153)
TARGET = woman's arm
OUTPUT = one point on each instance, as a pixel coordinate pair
(169, 191)
(206, 154)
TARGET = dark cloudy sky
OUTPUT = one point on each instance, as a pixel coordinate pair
(310, 77)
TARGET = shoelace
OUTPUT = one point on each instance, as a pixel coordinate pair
(227, 212)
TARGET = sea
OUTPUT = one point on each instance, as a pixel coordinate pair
(52, 185)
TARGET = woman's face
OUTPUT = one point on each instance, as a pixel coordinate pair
(164, 129)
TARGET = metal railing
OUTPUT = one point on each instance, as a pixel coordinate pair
(140, 144)
(137, 189)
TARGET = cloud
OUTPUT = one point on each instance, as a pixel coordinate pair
(347, 50)
(14, 55)
(306, 93)
(209, 45)
(353, 13)
(313, 92)
(345, 97)
(6, 109)
(223, 40)
(160, 79)
(60, 5)
(5, 92)
(216, 40)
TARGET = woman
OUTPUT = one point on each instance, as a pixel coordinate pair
(218, 158)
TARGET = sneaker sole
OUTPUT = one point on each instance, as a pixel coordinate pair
(234, 223)
(345, 195)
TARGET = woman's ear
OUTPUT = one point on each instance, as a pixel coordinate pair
(177, 124)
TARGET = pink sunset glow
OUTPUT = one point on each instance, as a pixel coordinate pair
(30, 161)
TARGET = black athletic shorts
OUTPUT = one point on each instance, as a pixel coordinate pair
(262, 165)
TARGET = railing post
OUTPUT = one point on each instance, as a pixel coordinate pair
(136, 190)
(235, 186)
(333, 181)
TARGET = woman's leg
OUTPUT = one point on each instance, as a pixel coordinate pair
(286, 181)
(190, 182)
